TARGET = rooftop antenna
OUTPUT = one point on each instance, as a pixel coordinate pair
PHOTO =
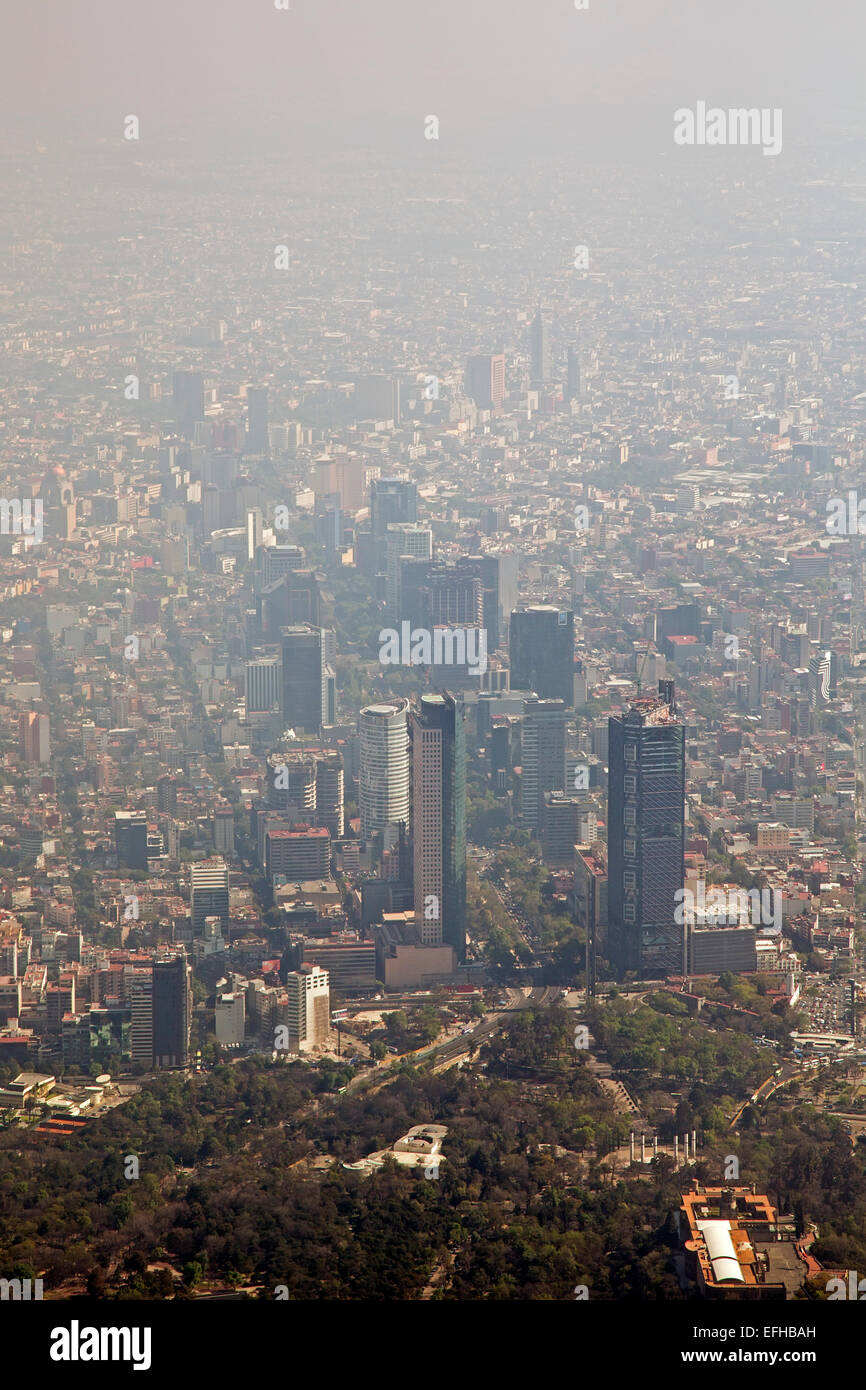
(640, 670)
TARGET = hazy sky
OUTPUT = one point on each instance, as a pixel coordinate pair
(351, 72)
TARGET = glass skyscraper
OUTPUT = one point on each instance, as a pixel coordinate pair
(439, 821)
(538, 349)
(646, 827)
(541, 652)
(304, 678)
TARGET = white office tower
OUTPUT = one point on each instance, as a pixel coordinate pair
(403, 539)
(230, 1017)
(255, 525)
(309, 1008)
(542, 756)
(329, 645)
(138, 984)
(264, 685)
(209, 893)
(383, 779)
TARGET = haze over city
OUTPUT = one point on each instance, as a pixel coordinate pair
(433, 657)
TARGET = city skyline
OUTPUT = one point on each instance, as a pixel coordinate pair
(433, 665)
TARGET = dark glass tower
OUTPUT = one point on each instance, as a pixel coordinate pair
(646, 791)
(304, 679)
(392, 500)
(573, 380)
(130, 839)
(171, 1012)
(541, 652)
(439, 821)
(188, 397)
(538, 349)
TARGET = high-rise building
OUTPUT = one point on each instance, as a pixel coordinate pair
(383, 779)
(590, 904)
(59, 1000)
(230, 1017)
(561, 817)
(305, 690)
(542, 756)
(264, 685)
(329, 793)
(257, 420)
(392, 501)
(377, 398)
(292, 599)
(75, 1041)
(34, 741)
(172, 1011)
(188, 394)
(470, 591)
(484, 381)
(24, 662)
(498, 573)
(254, 524)
(349, 960)
(224, 828)
(170, 831)
(435, 592)
(304, 597)
(300, 855)
(209, 893)
(309, 1008)
(130, 839)
(573, 386)
(538, 349)
(329, 523)
(341, 476)
(541, 651)
(166, 794)
(646, 841)
(403, 540)
(139, 993)
(438, 751)
(290, 784)
(822, 679)
(273, 561)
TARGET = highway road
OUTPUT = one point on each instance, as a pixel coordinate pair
(536, 997)
(768, 1088)
(521, 926)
